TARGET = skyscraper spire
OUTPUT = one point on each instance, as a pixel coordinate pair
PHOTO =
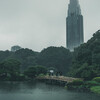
(74, 25)
(74, 7)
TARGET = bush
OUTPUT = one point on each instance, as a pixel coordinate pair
(95, 89)
(97, 79)
(41, 75)
(76, 82)
(34, 71)
(82, 85)
(91, 83)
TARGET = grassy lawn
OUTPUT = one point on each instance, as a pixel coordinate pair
(95, 89)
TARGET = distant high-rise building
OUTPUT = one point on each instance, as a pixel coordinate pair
(74, 26)
(15, 48)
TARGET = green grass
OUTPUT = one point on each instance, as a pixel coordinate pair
(95, 89)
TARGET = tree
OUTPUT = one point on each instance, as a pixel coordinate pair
(27, 57)
(86, 63)
(10, 67)
(57, 57)
(40, 70)
(31, 72)
(34, 71)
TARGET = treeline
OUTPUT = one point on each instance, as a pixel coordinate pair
(10, 71)
(57, 58)
(86, 59)
(84, 62)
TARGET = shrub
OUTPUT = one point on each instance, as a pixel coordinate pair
(95, 89)
(97, 79)
(41, 75)
(76, 82)
(81, 85)
(91, 83)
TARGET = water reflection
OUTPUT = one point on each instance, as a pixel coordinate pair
(39, 91)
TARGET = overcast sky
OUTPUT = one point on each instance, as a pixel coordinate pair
(37, 24)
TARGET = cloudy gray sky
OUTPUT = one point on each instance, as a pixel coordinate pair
(37, 24)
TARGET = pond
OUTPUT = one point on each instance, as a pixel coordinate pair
(40, 91)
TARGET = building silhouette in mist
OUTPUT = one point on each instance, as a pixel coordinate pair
(15, 48)
(74, 26)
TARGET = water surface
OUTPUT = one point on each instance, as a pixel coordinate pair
(40, 91)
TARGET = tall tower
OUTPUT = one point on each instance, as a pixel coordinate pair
(74, 26)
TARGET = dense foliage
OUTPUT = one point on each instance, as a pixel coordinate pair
(97, 79)
(95, 89)
(26, 57)
(86, 63)
(35, 71)
(58, 57)
(9, 69)
(81, 85)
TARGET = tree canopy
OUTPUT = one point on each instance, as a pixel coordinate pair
(57, 57)
(34, 71)
(9, 68)
(86, 63)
